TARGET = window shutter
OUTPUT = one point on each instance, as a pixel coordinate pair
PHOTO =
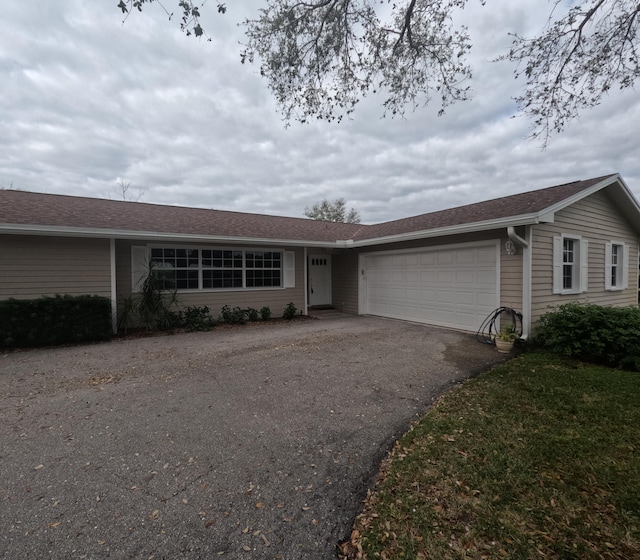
(625, 266)
(289, 271)
(607, 265)
(557, 265)
(584, 265)
(139, 267)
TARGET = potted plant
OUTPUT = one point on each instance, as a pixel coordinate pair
(506, 339)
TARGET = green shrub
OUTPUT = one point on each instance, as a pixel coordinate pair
(289, 311)
(235, 316)
(608, 335)
(265, 313)
(197, 318)
(251, 313)
(54, 320)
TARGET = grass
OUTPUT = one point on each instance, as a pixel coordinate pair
(538, 458)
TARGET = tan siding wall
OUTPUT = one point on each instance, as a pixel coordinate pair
(344, 281)
(33, 266)
(276, 299)
(346, 274)
(510, 277)
(596, 220)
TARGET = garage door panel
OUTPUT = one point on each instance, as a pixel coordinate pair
(465, 256)
(455, 287)
(427, 259)
(444, 258)
(466, 299)
(445, 277)
(468, 277)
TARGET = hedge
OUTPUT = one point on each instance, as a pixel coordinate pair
(48, 321)
(589, 332)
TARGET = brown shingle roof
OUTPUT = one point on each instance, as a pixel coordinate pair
(78, 213)
(28, 208)
(509, 206)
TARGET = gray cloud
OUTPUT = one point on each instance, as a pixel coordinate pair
(87, 100)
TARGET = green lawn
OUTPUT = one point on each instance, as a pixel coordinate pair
(539, 458)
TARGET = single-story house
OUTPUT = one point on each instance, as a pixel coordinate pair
(573, 242)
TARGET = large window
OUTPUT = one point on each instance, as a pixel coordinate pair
(570, 254)
(222, 268)
(213, 268)
(177, 269)
(264, 269)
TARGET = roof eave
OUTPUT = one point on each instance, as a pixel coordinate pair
(150, 236)
(473, 227)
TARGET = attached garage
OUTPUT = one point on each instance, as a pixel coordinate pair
(454, 286)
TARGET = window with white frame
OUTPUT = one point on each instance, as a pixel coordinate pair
(616, 269)
(570, 272)
(176, 269)
(191, 268)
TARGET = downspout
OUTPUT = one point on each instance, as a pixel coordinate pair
(526, 276)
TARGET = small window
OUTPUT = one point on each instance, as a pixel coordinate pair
(570, 256)
(616, 252)
(569, 263)
(616, 268)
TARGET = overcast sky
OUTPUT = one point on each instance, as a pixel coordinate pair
(86, 101)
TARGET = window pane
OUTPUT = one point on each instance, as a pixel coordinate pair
(616, 251)
(568, 253)
(222, 278)
(263, 278)
(567, 277)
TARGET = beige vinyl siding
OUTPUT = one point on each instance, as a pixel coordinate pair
(596, 220)
(276, 299)
(344, 280)
(34, 266)
(510, 276)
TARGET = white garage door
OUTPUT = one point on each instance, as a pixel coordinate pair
(454, 287)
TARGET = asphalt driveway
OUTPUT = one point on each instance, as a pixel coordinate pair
(257, 442)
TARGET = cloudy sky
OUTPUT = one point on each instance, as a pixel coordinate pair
(87, 102)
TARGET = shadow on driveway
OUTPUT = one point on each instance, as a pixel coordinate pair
(257, 442)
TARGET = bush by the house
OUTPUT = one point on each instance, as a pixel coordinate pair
(265, 313)
(235, 316)
(608, 335)
(48, 321)
(289, 311)
(252, 314)
(197, 318)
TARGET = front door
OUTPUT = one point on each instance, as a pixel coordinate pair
(319, 280)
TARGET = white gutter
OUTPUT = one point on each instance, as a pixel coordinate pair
(59, 231)
(472, 227)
